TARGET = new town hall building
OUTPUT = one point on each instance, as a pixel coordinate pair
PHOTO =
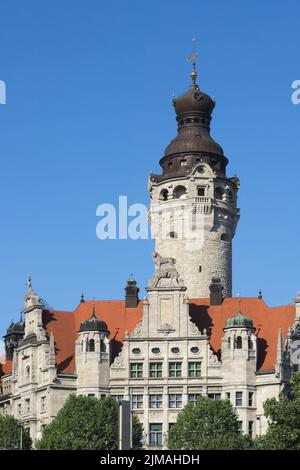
(188, 337)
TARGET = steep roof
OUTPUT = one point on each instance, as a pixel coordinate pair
(266, 320)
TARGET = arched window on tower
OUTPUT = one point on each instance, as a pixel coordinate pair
(239, 342)
(229, 343)
(250, 344)
(102, 346)
(224, 237)
(179, 192)
(91, 345)
(27, 372)
(164, 195)
(219, 193)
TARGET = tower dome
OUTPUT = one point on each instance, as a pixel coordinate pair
(239, 321)
(93, 324)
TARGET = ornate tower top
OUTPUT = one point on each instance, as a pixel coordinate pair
(193, 140)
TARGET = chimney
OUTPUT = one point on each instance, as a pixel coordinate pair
(131, 293)
(216, 289)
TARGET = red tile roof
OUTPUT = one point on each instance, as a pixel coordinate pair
(267, 321)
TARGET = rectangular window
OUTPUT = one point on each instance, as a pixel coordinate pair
(92, 395)
(155, 434)
(171, 425)
(240, 423)
(250, 401)
(155, 370)
(238, 398)
(214, 396)
(119, 398)
(227, 395)
(194, 369)
(201, 191)
(136, 370)
(193, 397)
(183, 162)
(27, 405)
(43, 403)
(250, 429)
(175, 401)
(102, 396)
(137, 402)
(155, 401)
(174, 369)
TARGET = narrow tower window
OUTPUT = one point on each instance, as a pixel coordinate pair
(238, 343)
(91, 345)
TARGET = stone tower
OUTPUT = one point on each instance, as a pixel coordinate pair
(92, 355)
(193, 210)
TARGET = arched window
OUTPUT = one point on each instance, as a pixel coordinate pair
(179, 192)
(219, 193)
(102, 346)
(164, 195)
(91, 345)
(224, 237)
(229, 343)
(229, 195)
(239, 342)
(27, 372)
(250, 344)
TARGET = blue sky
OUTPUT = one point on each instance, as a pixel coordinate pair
(88, 115)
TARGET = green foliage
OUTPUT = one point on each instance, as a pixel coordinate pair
(87, 423)
(209, 425)
(284, 420)
(10, 434)
(137, 433)
(83, 423)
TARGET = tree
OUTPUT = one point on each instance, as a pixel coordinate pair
(137, 433)
(284, 420)
(13, 435)
(86, 423)
(209, 425)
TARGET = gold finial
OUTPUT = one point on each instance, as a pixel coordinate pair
(192, 58)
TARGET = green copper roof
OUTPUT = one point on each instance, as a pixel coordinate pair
(239, 321)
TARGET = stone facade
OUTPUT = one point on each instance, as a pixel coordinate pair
(187, 338)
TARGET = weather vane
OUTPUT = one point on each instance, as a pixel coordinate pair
(192, 58)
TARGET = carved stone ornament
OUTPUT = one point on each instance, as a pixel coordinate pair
(212, 358)
(166, 274)
(166, 328)
(137, 331)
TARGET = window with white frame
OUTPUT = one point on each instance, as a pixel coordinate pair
(175, 400)
(137, 402)
(155, 401)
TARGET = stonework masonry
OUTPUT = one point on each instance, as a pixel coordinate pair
(188, 337)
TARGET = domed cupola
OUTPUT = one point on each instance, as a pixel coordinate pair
(193, 142)
(239, 321)
(13, 338)
(93, 324)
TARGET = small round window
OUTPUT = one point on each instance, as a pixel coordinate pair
(175, 350)
(136, 351)
(155, 350)
(200, 169)
(194, 350)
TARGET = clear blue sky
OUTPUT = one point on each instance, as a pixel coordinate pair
(88, 115)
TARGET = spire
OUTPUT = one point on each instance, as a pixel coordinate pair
(52, 350)
(259, 294)
(279, 347)
(29, 285)
(94, 312)
(82, 299)
(192, 58)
